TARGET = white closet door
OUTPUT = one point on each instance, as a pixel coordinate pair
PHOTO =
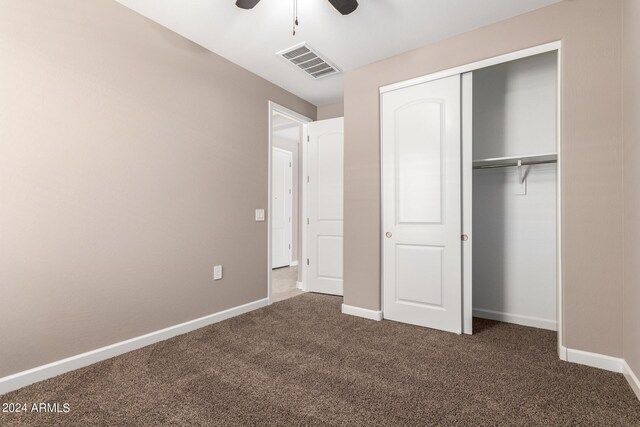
(421, 205)
(281, 184)
(325, 152)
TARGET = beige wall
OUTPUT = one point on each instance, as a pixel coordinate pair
(631, 326)
(131, 162)
(592, 223)
(331, 111)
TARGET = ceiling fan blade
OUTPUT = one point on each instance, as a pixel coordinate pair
(246, 4)
(345, 7)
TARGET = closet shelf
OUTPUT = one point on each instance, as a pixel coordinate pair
(503, 162)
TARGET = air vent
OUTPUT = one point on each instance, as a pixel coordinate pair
(309, 61)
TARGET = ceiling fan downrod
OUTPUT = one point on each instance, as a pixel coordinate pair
(295, 16)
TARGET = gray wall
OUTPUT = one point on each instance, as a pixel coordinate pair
(131, 162)
(592, 222)
(632, 184)
(331, 111)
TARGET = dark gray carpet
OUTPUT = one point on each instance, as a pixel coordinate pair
(301, 362)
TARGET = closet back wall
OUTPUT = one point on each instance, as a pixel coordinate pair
(131, 162)
(514, 246)
(591, 114)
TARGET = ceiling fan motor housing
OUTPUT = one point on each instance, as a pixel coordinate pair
(345, 7)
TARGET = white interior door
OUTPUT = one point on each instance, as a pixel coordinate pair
(421, 205)
(281, 201)
(324, 186)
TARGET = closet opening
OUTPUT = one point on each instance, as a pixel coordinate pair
(470, 215)
(510, 199)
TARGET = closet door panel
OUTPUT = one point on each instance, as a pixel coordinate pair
(418, 158)
(419, 274)
(421, 205)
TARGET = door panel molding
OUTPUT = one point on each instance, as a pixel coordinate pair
(324, 206)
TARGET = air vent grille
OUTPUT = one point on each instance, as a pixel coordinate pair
(309, 61)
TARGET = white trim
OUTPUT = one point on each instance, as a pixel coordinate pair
(293, 263)
(631, 378)
(609, 363)
(517, 319)
(284, 111)
(562, 351)
(40, 373)
(381, 230)
(273, 107)
(304, 235)
(290, 155)
(362, 312)
(466, 227)
(300, 286)
(508, 57)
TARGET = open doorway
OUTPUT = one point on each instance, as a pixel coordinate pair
(286, 129)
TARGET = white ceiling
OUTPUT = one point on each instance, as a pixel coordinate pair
(377, 29)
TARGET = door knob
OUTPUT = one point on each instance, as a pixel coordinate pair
(388, 234)
(464, 237)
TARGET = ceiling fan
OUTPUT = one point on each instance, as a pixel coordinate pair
(345, 7)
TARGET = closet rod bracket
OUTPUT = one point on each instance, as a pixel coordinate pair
(522, 180)
(521, 175)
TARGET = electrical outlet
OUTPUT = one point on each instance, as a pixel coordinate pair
(217, 272)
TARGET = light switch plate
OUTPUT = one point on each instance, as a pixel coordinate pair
(217, 272)
(259, 215)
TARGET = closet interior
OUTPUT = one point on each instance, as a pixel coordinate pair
(514, 191)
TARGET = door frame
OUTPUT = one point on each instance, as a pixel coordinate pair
(303, 120)
(290, 197)
(470, 67)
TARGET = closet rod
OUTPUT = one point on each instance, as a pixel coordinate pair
(513, 164)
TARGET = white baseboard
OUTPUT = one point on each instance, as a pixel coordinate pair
(293, 263)
(517, 319)
(609, 363)
(632, 378)
(300, 286)
(562, 352)
(24, 378)
(361, 312)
